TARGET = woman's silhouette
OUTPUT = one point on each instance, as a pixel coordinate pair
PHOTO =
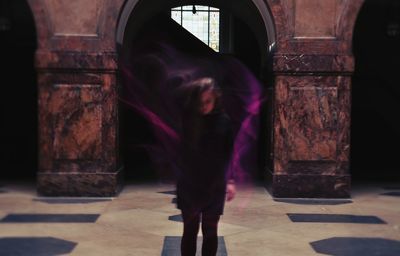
(203, 184)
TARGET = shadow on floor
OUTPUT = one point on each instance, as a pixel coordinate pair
(177, 218)
(356, 246)
(35, 246)
(171, 192)
(334, 218)
(307, 201)
(171, 246)
(50, 218)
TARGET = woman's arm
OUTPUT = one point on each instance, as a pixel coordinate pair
(230, 190)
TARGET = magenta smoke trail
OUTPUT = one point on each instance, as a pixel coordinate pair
(154, 80)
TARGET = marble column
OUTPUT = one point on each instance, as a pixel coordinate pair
(313, 64)
(77, 97)
(311, 126)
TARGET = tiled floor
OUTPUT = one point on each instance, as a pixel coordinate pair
(142, 221)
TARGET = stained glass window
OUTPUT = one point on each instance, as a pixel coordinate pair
(201, 21)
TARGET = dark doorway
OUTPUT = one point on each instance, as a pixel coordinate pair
(375, 131)
(237, 38)
(18, 149)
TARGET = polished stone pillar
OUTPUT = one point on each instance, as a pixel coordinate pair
(313, 64)
(311, 126)
(77, 97)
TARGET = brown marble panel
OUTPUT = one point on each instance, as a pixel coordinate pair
(77, 121)
(45, 140)
(313, 63)
(281, 132)
(82, 61)
(311, 186)
(312, 120)
(342, 22)
(110, 124)
(312, 47)
(315, 18)
(74, 18)
(283, 12)
(79, 184)
(87, 18)
(313, 167)
(78, 165)
(344, 122)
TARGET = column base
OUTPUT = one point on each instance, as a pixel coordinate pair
(80, 184)
(310, 186)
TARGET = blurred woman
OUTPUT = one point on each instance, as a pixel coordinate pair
(205, 183)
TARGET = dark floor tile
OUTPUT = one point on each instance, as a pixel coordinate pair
(393, 193)
(50, 218)
(334, 218)
(177, 218)
(71, 200)
(356, 246)
(172, 192)
(313, 201)
(171, 246)
(35, 246)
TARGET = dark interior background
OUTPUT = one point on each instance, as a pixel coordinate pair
(375, 131)
(18, 134)
(236, 39)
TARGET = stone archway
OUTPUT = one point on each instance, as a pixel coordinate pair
(261, 6)
(135, 18)
(76, 63)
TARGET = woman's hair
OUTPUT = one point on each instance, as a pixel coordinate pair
(192, 122)
(196, 88)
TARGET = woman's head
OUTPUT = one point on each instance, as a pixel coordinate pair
(204, 96)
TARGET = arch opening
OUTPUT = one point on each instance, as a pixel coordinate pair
(251, 42)
(19, 140)
(261, 8)
(375, 129)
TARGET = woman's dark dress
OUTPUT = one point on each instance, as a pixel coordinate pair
(206, 151)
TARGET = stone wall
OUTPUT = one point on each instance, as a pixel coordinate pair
(78, 120)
